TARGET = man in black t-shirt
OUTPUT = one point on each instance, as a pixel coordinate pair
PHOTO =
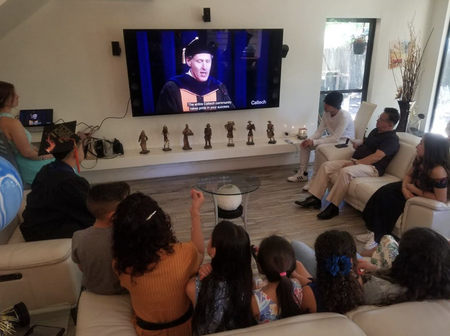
(370, 159)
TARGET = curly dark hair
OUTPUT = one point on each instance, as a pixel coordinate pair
(276, 255)
(422, 267)
(436, 153)
(137, 239)
(340, 293)
(231, 265)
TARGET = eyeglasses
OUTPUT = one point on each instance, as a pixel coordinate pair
(381, 119)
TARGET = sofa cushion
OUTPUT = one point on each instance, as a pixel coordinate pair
(402, 161)
(47, 277)
(319, 324)
(363, 188)
(104, 315)
(34, 254)
(404, 319)
(331, 153)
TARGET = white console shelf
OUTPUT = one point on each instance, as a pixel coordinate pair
(158, 163)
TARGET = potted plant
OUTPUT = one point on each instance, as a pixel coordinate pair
(411, 71)
(359, 45)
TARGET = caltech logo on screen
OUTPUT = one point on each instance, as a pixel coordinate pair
(259, 102)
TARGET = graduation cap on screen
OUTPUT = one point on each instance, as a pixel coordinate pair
(197, 46)
(59, 139)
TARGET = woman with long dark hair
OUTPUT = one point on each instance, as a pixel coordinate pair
(223, 298)
(282, 296)
(421, 271)
(154, 266)
(26, 155)
(428, 177)
(336, 286)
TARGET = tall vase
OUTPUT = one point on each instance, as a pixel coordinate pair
(405, 107)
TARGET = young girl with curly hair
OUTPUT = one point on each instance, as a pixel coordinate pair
(223, 298)
(421, 271)
(154, 266)
(282, 296)
(336, 286)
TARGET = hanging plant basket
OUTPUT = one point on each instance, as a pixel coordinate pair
(359, 48)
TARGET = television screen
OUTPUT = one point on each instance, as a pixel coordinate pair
(203, 70)
(31, 118)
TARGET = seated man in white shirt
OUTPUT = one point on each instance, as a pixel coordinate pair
(339, 125)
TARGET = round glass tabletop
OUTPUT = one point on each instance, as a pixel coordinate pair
(212, 183)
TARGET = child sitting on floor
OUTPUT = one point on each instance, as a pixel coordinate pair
(282, 296)
(91, 248)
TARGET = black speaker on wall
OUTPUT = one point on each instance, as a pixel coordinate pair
(284, 50)
(116, 51)
(206, 14)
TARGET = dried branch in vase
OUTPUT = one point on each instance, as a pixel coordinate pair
(411, 69)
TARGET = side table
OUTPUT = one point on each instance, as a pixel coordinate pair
(211, 184)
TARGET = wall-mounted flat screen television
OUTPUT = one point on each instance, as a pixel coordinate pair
(203, 70)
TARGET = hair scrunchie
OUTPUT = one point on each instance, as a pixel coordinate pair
(341, 265)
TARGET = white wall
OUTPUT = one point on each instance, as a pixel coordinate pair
(60, 57)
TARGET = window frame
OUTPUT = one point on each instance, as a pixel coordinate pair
(438, 86)
(369, 50)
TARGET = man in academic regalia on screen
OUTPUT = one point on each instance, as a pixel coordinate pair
(196, 90)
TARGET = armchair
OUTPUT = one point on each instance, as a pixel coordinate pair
(40, 274)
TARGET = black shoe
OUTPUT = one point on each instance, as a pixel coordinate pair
(330, 211)
(311, 201)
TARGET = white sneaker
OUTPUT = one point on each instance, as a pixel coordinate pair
(308, 185)
(370, 244)
(299, 177)
(365, 237)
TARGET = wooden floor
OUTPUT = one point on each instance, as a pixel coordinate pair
(271, 209)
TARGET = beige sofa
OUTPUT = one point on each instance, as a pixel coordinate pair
(111, 315)
(40, 274)
(419, 211)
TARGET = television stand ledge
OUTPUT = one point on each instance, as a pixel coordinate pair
(158, 163)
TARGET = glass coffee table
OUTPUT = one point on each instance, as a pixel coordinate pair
(246, 184)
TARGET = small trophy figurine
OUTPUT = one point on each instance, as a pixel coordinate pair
(143, 140)
(229, 126)
(208, 134)
(186, 132)
(271, 132)
(250, 128)
(165, 133)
